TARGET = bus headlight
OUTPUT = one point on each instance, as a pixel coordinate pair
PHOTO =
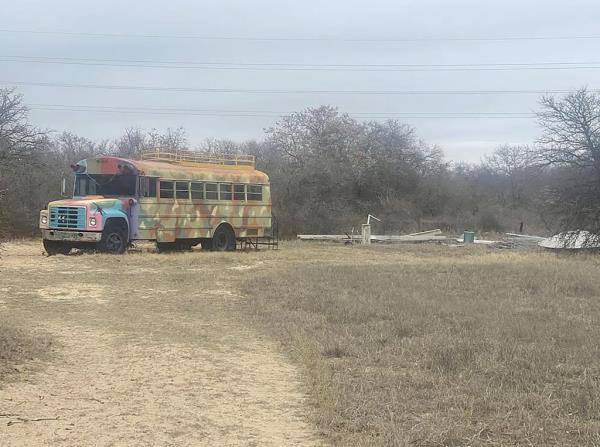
(92, 221)
(44, 220)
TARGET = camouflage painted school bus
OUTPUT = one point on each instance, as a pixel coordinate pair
(176, 199)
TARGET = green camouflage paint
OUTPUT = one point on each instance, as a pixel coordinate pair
(168, 219)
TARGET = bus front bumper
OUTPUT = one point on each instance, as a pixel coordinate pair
(72, 236)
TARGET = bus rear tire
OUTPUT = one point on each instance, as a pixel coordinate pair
(56, 247)
(223, 239)
(114, 239)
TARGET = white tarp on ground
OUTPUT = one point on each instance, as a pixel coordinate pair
(423, 236)
(572, 240)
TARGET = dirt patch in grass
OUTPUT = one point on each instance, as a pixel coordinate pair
(153, 351)
(18, 348)
(439, 348)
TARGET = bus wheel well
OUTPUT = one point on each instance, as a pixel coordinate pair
(224, 225)
(223, 238)
(118, 221)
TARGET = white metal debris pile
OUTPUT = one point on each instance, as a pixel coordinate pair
(330, 237)
(572, 240)
(518, 241)
(511, 240)
(569, 240)
(423, 236)
(522, 240)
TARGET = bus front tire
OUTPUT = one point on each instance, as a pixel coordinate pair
(56, 247)
(114, 239)
(223, 239)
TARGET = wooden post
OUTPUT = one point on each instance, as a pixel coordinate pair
(366, 233)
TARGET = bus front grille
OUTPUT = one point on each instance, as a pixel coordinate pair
(67, 217)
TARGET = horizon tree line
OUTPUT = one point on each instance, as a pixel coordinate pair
(328, 171)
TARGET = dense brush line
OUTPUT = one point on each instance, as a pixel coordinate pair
(329, 170)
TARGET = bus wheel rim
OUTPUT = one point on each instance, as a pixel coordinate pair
(113, 242)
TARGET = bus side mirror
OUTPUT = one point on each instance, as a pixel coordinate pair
(63, 187)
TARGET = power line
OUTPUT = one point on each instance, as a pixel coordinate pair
(301, 39)
(268, 113)
(155, 110)
(280, 64)
(305, 67)
(253, 112)
(260, 115)
(150, 112)
(287, 91)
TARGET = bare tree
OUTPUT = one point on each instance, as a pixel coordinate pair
(19, 147)
(18, 139)
(132, 144)
(570, 144)
(314, 132)
(571, 131)
(513, 165)
(171, 139)
(220, 146)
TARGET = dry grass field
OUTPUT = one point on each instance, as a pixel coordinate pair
(385, 345)
(145, 349)
(442, 346)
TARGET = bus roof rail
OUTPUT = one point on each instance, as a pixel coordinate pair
(192, 157)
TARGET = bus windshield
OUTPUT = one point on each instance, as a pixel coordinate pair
(104, 185)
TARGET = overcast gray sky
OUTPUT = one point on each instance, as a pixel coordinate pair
(323, 34)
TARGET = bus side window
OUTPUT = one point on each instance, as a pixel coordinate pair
(212, 193)
(147, 187)
(225, 191)
(197, 191)
(166, 190)
(182, 190)
(255, 192)
(239, 192)
(151, 187)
